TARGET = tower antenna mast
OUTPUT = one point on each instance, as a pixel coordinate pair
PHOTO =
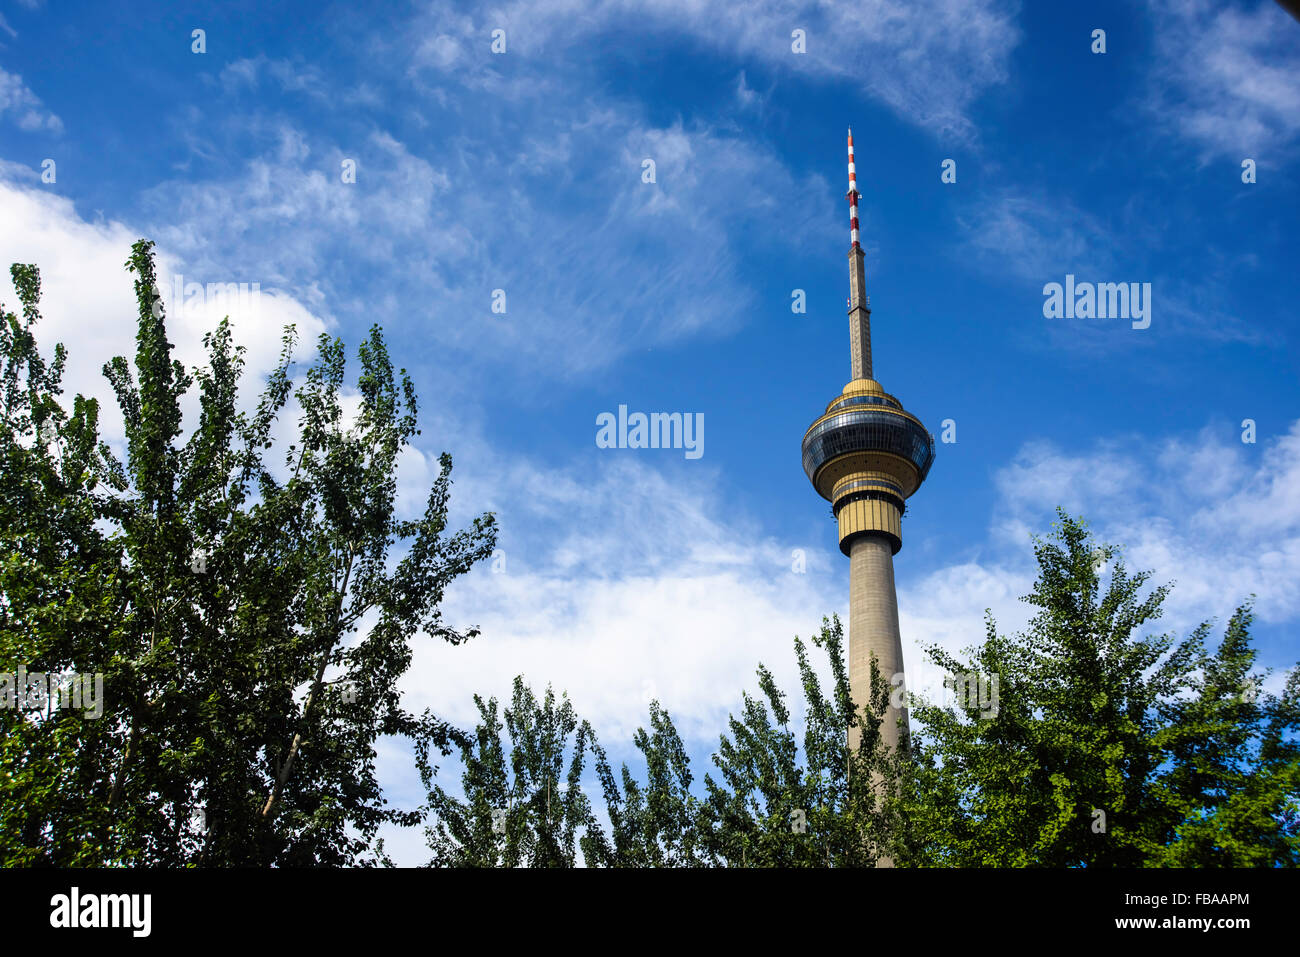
(859, 304)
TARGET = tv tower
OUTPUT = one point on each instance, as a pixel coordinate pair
(866, 455)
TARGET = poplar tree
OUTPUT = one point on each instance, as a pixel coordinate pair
(824, 804)
(776, 804)
(250, 620)
(521, 805)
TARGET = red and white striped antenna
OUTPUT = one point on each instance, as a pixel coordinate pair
(852, 195)
(859, 304)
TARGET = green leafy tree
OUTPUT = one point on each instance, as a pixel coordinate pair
(523, 803)
(1101, 747)
(1234, 780)
(60, 596)
(828, 805)
(250, 622)
(522, 807)
(656, 823)
(775, 805)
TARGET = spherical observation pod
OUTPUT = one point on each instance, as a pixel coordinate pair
(867, 438)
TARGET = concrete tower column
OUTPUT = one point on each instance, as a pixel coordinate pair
(873, 628)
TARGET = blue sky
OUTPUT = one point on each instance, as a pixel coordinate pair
(631, 574)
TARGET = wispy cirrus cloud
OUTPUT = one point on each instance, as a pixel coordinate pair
(1035, 237)
(594, 261)
(293, 75)
(1224, 77)
(24, 107)
(928, 61)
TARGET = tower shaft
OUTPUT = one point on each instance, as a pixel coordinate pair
(873, 631)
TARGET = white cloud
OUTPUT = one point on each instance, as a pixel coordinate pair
(1219, 518)
(585, 279)
(440, 52)
(1225, 77)
(1035, 237)
(290, 76)
(24, 106)
(88, 300)
(1029, 236)
(746, 97)
(621, 584)
(927, 60)
(289, 217)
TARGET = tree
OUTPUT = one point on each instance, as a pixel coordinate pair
(59, 578)
(831, 806)
(250, 621)
(774, 806)
(656, 823)
(1100, 747)
(1235, 775)
(521, 808)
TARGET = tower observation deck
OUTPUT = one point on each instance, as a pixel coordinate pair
(866, 455)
